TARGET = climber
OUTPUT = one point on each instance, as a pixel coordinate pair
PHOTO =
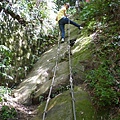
(63, 19)
(77, 5)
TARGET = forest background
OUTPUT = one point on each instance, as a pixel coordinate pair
(26, 32)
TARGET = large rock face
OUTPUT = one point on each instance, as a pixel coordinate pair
(38, 82)
(39, 79)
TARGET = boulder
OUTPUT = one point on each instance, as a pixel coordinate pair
(60, 107)
(39, 79)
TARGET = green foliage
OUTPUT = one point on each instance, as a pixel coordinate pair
(97, 13)
(101, 16)
(59, 90)
(100, 9)
(104, 78)
(3, 91)
(62, 2)
(24, 44)
(7, 113)
(71, 11)
(102, 83)
(5, 62)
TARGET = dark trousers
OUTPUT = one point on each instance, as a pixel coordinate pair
(62, 23)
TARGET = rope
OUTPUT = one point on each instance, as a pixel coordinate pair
(70, 79)
(70, 70)
(53, 79)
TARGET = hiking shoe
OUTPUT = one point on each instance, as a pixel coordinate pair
(80, 28)
(62, 40)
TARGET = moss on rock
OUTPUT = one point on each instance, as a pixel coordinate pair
(60, 108)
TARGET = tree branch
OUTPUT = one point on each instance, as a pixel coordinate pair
(13, 15)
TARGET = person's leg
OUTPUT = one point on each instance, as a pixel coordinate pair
(62, 28)
(67, 21)
(74, 23)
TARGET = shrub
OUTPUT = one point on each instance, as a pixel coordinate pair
(8, 112)
(102, 82)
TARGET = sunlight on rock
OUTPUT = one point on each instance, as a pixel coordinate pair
(52, 106)
(81, 44)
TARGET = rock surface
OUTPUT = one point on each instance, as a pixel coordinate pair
(38, 82)
(39, 79)
(60, 107)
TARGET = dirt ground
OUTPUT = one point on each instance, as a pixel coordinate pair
(23, 112)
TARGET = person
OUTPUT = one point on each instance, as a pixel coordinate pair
(77, 5)
(63, 19)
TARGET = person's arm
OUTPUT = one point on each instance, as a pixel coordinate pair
(56, 18)
(65, 13)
